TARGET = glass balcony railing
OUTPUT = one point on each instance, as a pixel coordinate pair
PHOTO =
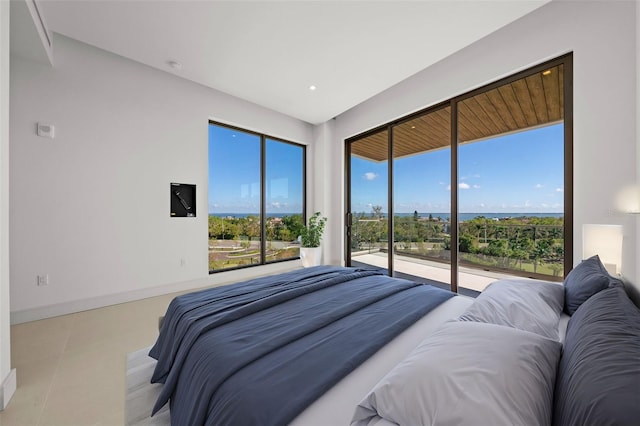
(523, 246)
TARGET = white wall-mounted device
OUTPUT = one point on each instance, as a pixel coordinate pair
(46, 130)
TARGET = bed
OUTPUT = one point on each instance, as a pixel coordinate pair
(523, 352)
(402, 312)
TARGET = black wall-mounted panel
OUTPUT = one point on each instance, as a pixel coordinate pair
(183, 200)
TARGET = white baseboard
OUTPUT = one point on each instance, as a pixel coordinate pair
(7, 389)
(49, 311)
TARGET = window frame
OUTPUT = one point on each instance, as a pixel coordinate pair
(263, 186)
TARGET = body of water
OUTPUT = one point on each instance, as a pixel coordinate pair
(468, 216)
(444, 216)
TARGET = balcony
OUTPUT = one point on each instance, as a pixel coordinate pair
(490, 250)
(471, 281)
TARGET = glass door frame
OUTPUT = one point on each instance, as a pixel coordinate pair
(567, 62)
(348, 219)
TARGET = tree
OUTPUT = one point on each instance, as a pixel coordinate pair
(376, 212)
(222, 229)
(447, 242)
(294, 225)
(466, 244)
(272, 229)
(500, 250)
(402, 230)
(368, 232)
(215, 226)
(540, 252)
(285, 235)
(251, 227)
(519, 254)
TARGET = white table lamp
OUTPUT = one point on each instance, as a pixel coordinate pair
(606, 242)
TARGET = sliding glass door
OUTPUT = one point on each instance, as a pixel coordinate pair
(422, 196)
(511, 180)
(367, 223)
(478, 188)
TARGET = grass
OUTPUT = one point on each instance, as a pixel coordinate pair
(219, 260)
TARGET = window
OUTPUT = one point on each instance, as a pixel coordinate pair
(479, 186)
(256, 198)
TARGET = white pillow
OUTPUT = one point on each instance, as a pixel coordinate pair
(528, 305)
(468, 373)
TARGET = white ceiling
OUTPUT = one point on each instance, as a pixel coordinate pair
(270, 52)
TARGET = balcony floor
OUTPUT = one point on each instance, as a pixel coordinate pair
(475, 280)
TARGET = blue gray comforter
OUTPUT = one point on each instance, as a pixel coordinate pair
(259, 352)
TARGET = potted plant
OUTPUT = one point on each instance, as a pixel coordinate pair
(310, 236)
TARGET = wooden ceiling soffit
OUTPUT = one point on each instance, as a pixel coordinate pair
(374, 147)
(533, 101)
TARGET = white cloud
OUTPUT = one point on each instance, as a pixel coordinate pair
(279, 205)
(476, 186)
(462, 185)
(559, 189)
(538, 186)
(370, 176)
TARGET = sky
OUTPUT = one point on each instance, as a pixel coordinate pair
(517, 173)
(234, 173)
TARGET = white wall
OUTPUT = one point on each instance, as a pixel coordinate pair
(321, 184)
(602, 37)
(637, 123)
(7, 376)
(90, 208)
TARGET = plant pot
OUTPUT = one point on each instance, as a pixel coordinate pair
(311, 256)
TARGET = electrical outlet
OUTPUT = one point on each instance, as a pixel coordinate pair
(43, 280)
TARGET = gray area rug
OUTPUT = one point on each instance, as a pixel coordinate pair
(141, 395)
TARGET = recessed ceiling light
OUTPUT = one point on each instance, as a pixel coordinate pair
(312, 87)
(175, 64)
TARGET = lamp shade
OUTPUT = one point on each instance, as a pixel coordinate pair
(628, 199)
(606, 242)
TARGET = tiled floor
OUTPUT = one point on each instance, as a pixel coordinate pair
(71, 369)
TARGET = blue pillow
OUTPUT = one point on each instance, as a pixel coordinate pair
(598, 381)
(585, 280)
